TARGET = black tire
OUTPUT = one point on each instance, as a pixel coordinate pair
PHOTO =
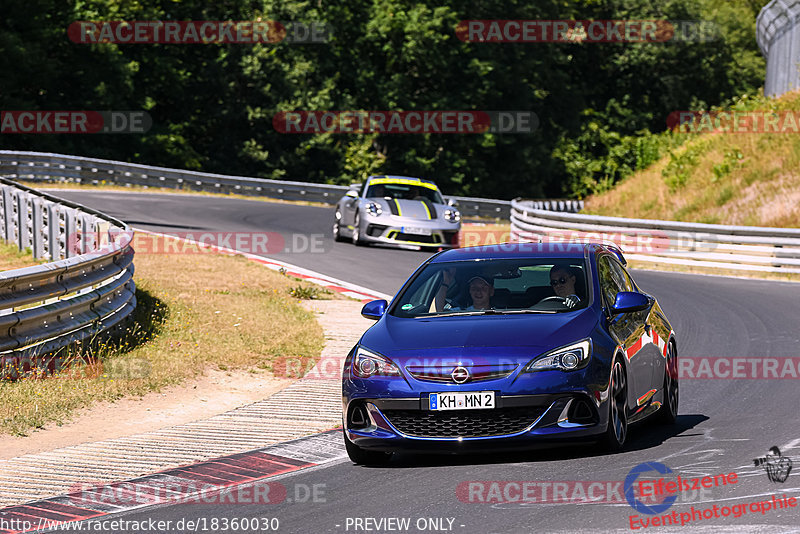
(356, 238)
(364, 457)
(668, 413)
(337, 230)
(617, 431)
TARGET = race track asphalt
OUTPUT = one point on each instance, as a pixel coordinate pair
(723, 424)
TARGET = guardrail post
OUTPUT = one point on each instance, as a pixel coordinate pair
(39, 234)
(53, 227)
(70, 235)
(23, 235)
(8, 211)
(86, 233)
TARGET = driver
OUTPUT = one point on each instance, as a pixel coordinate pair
(410, 193)
(562, 280)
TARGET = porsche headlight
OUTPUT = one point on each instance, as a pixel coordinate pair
(374, 209)
(367, 363)
(452, 215)
(566, 358)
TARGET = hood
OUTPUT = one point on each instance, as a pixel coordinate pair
(413, 209)
(476, 338)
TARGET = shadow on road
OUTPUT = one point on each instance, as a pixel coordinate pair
(641, 436)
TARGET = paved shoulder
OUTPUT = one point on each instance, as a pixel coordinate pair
(308, 406)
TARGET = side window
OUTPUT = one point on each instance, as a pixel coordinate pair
(610, 282)
(424, 295)
(621, 276)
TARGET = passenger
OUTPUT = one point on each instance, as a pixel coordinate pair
(481, 290)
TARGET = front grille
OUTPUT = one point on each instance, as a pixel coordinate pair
(400, 236)
(463, 423)
(477, 373)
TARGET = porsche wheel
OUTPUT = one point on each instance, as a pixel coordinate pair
(357, 230)
(337, 231)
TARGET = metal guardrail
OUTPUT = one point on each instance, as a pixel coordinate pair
(37, 166)
(778, 36)
(744, 248)
(86, 289)
(485, 207)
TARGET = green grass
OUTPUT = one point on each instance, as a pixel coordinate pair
(11, 257)
(194, 312)
(309, 293)
(726, 178)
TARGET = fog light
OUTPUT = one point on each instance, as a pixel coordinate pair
(358, 418)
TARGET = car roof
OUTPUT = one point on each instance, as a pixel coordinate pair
(504, 251)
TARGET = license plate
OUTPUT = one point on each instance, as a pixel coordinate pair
(471, 400)
(416, 231)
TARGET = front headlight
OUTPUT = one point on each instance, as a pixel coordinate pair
(452, 215)
(374, 209)
(566, 358)
(367, 363)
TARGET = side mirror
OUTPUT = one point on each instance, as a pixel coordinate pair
(630, 301)
(351, 194)
(374, 310)
(451, 201)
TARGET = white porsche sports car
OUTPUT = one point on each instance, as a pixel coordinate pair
(397, 210)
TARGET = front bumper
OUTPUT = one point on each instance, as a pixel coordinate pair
(396, 233)
(517, 422)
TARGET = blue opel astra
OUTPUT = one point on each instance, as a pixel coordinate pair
(509, 346)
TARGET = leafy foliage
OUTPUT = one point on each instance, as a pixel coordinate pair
(601, 106)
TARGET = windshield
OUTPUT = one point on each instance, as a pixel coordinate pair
(491, 287)
(404, 191)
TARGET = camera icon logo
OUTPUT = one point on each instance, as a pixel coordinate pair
(776, 465)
